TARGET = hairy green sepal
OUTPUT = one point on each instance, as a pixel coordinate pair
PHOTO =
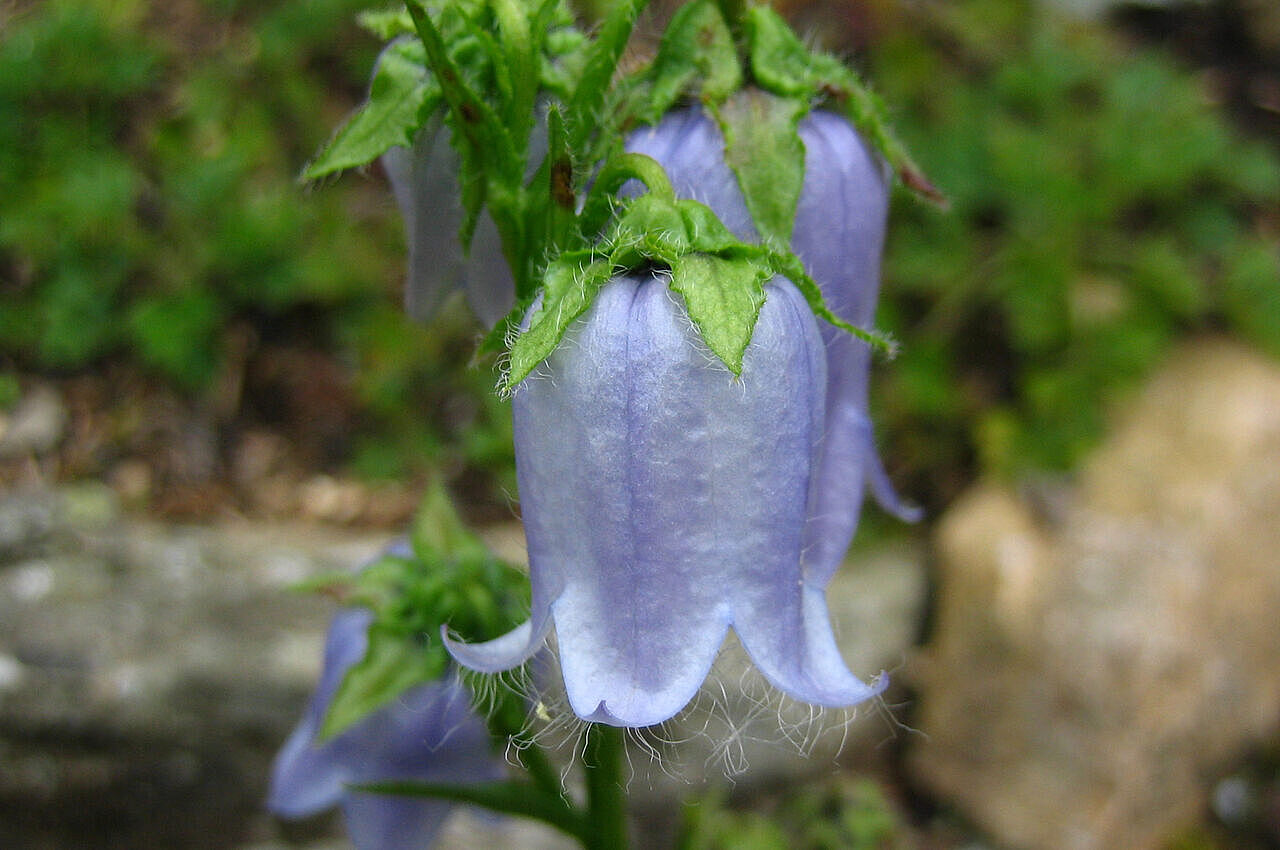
(720, 278)
(782, 64)
(447, 579)
(762, 146)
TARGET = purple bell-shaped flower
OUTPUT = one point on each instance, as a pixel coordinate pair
(839, 236)
(665, 501)
(428, 734)
(424, 180)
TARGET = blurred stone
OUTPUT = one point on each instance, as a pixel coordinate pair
(1090, 671)
(35, 426)
(133, 481)
(149, 673)
(26, 521)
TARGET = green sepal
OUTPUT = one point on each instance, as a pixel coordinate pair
(723, 297)
(402, 92)
(393, 663)
(706, 231)
(781, 63)
(763, 148)
(721, 279)
(651, 229)
(568, 288)
(697, 56)
(789, 266)
(602, 201)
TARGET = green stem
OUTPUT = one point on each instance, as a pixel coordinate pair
(606, 796)
(618, 170)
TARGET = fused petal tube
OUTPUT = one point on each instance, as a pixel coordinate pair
(665, 501)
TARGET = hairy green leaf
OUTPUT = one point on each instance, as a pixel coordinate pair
(401, 93)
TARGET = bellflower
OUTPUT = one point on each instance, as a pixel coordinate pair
(424, 181)
(838, 235)
(429, 734)
(664, 502)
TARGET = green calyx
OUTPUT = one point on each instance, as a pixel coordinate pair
(448, 578)
(713, 51)
(720, 278)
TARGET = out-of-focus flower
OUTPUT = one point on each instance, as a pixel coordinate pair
(428, 734)
(665, 501)
(839, 235)
(424, 180)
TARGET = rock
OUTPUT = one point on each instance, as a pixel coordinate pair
(1090, 670)
(149, 673)
(35, 426)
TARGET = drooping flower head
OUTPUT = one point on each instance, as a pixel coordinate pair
(428, 734)
(664, 502)
(838, 235)
(424, 181)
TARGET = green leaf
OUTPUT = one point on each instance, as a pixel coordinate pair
(517, 39)
(393, 663)
(401, 93)
(723, 297)
(439, 531)
(582, 116)
(561, 199)
(570, 285)
(763, 147)
(474, 119)
(697, 54)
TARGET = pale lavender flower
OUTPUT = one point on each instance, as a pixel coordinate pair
(839, 235)
(428, 734)
(424, 181)
(664, 502)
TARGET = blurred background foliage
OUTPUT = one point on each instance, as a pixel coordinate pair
(153, 235)
(151, 222)
(1102, 207)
